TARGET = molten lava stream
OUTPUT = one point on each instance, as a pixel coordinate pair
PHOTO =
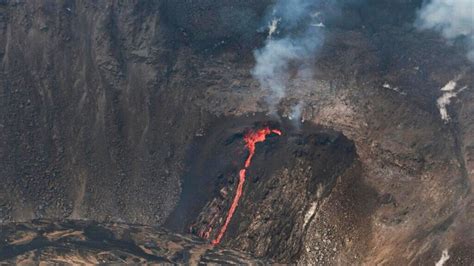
(250, 139)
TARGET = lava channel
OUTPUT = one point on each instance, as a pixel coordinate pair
(250, 139)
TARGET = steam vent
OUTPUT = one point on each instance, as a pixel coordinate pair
(248, 132)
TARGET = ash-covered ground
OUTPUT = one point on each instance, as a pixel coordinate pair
(134, 113)
(88, 242)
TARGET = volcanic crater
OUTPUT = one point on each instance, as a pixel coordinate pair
(126, 117)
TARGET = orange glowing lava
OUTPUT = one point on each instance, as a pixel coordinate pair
(250, 139)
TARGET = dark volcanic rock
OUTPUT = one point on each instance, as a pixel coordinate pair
(113, 110)
(209, 22)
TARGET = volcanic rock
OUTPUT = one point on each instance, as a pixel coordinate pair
(134, 112)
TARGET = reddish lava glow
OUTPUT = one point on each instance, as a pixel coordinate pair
(250, 139)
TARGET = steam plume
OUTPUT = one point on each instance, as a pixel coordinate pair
(452, 18)
(296, 41)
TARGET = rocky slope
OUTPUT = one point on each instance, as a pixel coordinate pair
(104, 104)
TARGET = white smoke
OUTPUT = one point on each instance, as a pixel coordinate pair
(449, 93)
(296, 44)
(452, 18)
(296, 112)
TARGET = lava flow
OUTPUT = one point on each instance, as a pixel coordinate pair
(250, 139)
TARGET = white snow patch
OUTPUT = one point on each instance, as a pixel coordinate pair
(449, 92)
(272, 27)
(443, 259)
(316, 14)
(319, 191)
(386, 85)
(310, 213)
(312, 209)
(450, 86)
(320, 25)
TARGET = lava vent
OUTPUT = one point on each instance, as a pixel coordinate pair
(259, 181)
